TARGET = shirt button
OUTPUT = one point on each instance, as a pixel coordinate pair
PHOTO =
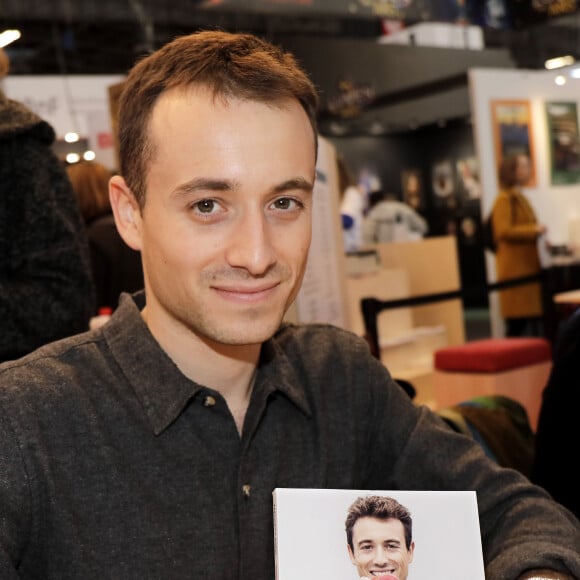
(246, 490)
(209, 401)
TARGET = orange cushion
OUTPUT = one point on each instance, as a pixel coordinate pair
(492, 355)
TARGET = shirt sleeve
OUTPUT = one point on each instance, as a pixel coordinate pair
(522, 527)
(15, 507)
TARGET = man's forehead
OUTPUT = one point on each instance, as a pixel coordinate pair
(367, 528)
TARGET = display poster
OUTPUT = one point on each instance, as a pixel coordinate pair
(512, 129)
(322, 533)
(468, 184)
(412, 186)
(442, 181)
(71, 103)
(562, 120)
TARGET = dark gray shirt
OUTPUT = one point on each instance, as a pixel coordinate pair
(114, 465)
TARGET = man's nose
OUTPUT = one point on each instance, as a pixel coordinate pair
(381, 556)
(251, 245)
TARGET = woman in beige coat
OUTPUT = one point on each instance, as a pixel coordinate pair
(516, 232)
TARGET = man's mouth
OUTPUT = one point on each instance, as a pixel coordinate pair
(247, 293)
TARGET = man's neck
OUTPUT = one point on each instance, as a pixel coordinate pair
(229, 370)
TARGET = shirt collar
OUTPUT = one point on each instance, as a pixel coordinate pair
(162, 389)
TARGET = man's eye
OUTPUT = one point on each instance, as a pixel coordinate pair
(205, 206)
(286, 203)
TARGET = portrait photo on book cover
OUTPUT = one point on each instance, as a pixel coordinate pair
(370, 535)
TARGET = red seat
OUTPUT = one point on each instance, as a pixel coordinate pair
(492, 355)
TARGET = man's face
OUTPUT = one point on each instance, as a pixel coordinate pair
(379, 548)
(226, 226)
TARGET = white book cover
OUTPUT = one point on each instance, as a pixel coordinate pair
(311, 540)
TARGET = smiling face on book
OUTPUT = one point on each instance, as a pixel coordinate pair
(379, 535)
(379, 548)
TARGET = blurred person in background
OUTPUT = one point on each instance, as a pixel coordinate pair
(554, 466)
(116, 267)
(352, 206)
(46, 287)
(516, 232)
(391, 220)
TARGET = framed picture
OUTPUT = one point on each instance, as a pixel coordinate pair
(468, 183)
(412, 186)
(512, 127)
(562, 119)
(324, 533)
(442, 178)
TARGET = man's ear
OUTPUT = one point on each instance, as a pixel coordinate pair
(126, 211)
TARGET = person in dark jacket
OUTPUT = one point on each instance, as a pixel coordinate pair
(116, 267)
(554, 465)
(46, 287)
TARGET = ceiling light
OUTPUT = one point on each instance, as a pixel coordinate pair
(559, 62)
(560, 80)
(71, 137)
(8, 36)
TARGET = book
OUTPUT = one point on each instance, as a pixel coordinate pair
(311, 541)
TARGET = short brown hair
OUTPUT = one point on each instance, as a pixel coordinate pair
(90, 180)
(229, 64)
(380, 507)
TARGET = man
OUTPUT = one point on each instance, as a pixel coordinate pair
(150, 448)
(46, 286)
(379, 535)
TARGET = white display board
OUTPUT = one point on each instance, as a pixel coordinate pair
(322, 297)
(78, 103)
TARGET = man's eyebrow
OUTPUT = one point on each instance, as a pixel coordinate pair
(295, 183)
(216, 184)
(364, 541)
(204, 184)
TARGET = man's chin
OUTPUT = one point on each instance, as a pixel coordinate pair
(245, 335)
